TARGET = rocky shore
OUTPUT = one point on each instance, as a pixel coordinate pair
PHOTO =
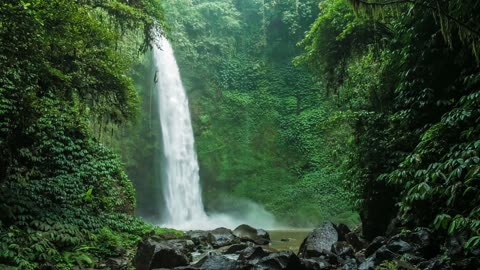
(329, 246)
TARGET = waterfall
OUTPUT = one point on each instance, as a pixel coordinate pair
(180, 167)
(181, 186)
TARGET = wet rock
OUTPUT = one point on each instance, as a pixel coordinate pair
(374, 245)
(349, 264)
(152, 253)
(252, 254)
(343, 249)
(455, 244)
(285, 239)
(315, 264)
(186, 246)
(216, 262)
(342, 230)
(383, 254)
(434, 264)
(248, 233)
(422, 242)
(399, 246)
(368, 264)
(468, 264)
(233, 248)
(198, 237)
(353, 240)
(117, 263)
(319, 241)
(285, 260)
(221, 237)
(360, 256)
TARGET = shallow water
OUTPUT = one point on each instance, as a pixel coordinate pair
(295, 238)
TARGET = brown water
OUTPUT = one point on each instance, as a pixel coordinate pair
(295, 238)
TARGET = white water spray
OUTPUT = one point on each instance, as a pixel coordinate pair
(180, 169)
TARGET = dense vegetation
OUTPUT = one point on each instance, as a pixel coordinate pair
(316, 109)
(64, 197)
(261, 124)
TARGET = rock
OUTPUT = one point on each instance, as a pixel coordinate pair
(383, 254)
(152, 253)
(253, 254)
(233, 248)
(285, 260)
(221, 237)
(360, 256)
(285, 239)
(399, 246)
(349, 264)
(455, 244)
(434, 264)
(342, 231)
(248, 233)
(422, 242)
(315, 264)
(374, 245)
(468, 264)
(198, 237)
(368, 264)
(319, 241)
(186, 246)
(353, 240)
(117, 263)
(343, 249)
(216, 262)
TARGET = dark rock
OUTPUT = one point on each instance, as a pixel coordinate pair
(253, 254)
(349, 264)
(374, 245)
(248, 233)
(233, 248)
(216, 262)
(435, 264)
(221, 237)
(368, 264)
(198, 237)
(285, 260)
(315, 264)
(422, 242)
(360, 256)
(342, 231)
(152, 253)
(399, 246)
(186, 246)
(117, 263)
(343, 249)
(353, 240)
(319, 241)
(455, 244)
(383, 254)
(467, 264)
(285, 239)
(411, 258)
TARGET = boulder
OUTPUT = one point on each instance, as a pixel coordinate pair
(353, 240)
(343, 249)
(368, 264)
(285, 260)
(221, 237)
(216, 262)
(315, 264)
(152, 253)
(186, 246)
(319, 241)
(399, 246)
(198, 237)
(117, 263)
(233, 248)
(342, 230)
(383, 254)
(248, 233)
(435, 264)
(374, 245)
(253, 254)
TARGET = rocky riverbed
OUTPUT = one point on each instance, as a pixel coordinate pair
(329, 246)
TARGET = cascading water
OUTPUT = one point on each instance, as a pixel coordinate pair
(181, 186)
(180, 167)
